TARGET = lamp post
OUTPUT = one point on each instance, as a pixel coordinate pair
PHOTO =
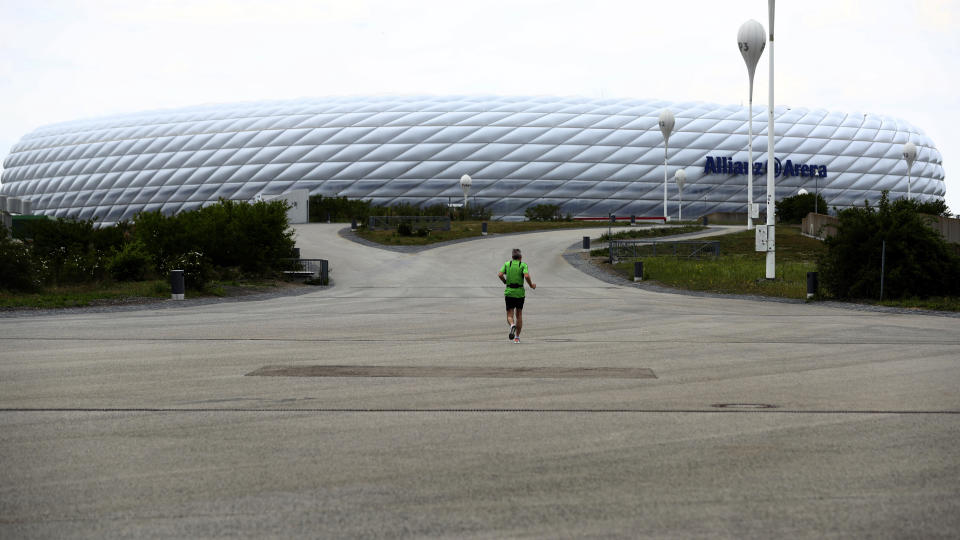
(465, 183)
(816, 198)
(667, 122)
(751, 39)
(771, 168)
(909, 154)
(680, 177)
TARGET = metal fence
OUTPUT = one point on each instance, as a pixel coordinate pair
(307, 268)
(433, 223)
(634, 249)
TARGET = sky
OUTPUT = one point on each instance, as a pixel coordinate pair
(70, 59)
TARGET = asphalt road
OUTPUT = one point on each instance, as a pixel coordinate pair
(760, 419)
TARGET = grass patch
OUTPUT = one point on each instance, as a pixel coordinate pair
(739, 269)
(86, 294)
(726, 274)
(470, 229)
(944, 303)
(119, 293)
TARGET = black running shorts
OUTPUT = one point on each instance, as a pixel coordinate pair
(514, 302)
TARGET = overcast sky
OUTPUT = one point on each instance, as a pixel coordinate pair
(64, 60)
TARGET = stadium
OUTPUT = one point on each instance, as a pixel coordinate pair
(592, 157)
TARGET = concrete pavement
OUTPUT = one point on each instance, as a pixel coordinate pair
(145, 423)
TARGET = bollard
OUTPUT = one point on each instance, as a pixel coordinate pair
(483, 229)
(633, 220)
(177, 287)
(324, 272)
(353, 224)
(638, 271)
(328, 217)
(586, 243)
(811, 284)
(705, 221)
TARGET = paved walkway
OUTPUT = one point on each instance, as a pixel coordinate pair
(752, 419)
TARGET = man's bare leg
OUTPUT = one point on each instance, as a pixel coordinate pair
(519, 321)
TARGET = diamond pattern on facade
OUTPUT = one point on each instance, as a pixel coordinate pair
(592, 157)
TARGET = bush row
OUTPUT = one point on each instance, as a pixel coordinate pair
(343, 209)
(228, 239)
(545, 212)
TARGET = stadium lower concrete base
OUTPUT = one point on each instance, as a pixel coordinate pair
(759, 419)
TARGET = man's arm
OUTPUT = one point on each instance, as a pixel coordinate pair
(502, 278)
(532, 284)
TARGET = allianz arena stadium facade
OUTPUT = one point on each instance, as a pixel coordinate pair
(592, 157)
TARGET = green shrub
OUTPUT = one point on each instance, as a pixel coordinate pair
(918, 261)
(17, 271)
(471, 213)
(196, 269)
(68, 251)
(252, 237)
(83, 267)
(543, 212)
(794, 209)
(165, 238)
(404, 229)
(130, 263)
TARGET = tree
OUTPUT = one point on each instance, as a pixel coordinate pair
(918, 261)
(936, 207)
(794, 209)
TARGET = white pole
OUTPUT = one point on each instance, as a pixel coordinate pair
(666, 215)
(666, 122)
(680, 177)
(465, 183)
(750, 170)
(680, 209)
(909, 154)
(751, 40)
(909, 194)
(771, 163)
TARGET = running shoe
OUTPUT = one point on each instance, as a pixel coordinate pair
(516, 340)
(513, 331)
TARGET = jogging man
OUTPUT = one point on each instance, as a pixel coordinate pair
(512, 273)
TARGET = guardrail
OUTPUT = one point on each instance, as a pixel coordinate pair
(631, 219)
(635, 249)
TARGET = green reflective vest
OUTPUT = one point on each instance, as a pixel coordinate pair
(514, 271)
